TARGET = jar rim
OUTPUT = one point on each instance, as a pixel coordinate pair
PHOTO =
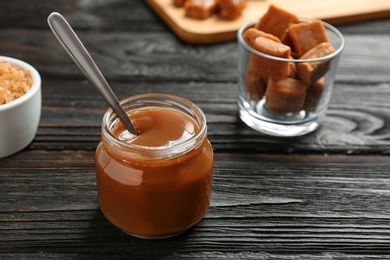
(130, 103)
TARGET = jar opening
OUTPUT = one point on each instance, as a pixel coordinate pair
(154, 101)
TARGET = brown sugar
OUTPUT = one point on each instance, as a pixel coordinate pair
(268, 67)
(14, 82)
(310, 72)
(200, 9)
(230, 9)
(286, 95)
(305, 36)
(276, 21)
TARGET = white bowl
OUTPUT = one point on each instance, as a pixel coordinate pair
(19, 118)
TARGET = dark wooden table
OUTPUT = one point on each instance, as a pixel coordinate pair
(322, 196)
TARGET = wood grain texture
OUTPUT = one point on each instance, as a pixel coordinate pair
(262, 205)
(320, 196)
(354, 125)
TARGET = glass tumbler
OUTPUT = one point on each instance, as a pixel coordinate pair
(282, 107)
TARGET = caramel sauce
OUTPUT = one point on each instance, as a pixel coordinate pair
(158, 197)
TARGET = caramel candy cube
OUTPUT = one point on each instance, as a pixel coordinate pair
(313, 95)
(255, 85)
(276, 21)
(310, 72)
(200, 9)
(251, 34)
(179, 3)
(286, 95)
(305, 36)
(293, 69)
(267, 67)
(230, 9)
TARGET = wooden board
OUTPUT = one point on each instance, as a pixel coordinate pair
(215, 29)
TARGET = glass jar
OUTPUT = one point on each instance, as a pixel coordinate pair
(151, 189)
(275, 97)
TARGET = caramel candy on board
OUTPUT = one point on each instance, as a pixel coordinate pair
(285, 96)
(267, 67)
(200, 9)
(310, 72)
(276, 21)
(255, 85)
(230, 9)
(313, 95)
(305, 36)
(179, 3)
(251, 34)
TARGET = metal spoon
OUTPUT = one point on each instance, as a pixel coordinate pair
(72, 44)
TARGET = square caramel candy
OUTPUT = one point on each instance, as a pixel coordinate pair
(230, 9)
(293, 69)
(310, 72)
(276, 21)
(200, 9)
(267, 67)
(313, 95)
(255, 84)
(286, 95)
(251, 34)
(179, 3)
(305, 36)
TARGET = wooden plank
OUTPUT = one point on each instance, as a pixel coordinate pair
(138, 57)
(262, 205)
(215, 29)
(71, 118)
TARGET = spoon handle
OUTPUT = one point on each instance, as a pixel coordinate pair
(75, 48)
